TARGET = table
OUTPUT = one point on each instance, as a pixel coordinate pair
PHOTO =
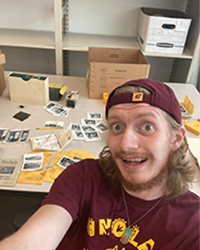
(84, 105)
(37, 119)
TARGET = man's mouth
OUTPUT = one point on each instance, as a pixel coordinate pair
(137, 160)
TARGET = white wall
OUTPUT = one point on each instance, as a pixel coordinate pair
(107, 17)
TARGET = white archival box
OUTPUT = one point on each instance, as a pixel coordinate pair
(162, 30)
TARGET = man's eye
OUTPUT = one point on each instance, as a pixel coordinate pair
(147, 127)
(117, 127)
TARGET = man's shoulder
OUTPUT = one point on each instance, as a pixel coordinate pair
(189, 199)
(191, 196)
(88, 163)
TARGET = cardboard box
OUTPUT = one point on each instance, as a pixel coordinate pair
(162, 30)
(28, 88)
(2, 77)
(109, 68)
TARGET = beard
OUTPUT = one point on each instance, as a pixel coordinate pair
(133, 185)
(142, 186)
(112, 172)
(177, 174)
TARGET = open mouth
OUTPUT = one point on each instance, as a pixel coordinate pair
(137, 160)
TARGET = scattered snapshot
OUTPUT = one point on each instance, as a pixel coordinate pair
(32, 162)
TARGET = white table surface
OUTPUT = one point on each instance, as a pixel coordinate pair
(84, 105)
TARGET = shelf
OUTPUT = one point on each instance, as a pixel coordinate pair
(118, 22)
(186, 54)
(74, 42)
(27, 38)
(81, 42)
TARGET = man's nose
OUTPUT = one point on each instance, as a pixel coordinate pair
(129, 140)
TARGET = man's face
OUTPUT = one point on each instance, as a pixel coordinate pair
(140, 143)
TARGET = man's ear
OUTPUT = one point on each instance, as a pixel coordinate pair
(178, 138)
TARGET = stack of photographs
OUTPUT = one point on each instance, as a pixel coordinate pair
(57, 109)
(13, 135)
(89, 128)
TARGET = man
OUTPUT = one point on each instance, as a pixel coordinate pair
(135, 196)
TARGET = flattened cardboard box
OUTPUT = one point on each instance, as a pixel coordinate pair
(28, 88)
(109, 68)
(2, 77)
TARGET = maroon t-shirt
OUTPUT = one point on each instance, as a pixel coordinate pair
(99, 215)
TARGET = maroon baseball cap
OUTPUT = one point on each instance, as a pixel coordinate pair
(162, 96)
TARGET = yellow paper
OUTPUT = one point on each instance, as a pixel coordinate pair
(80, 154)
(32, 177)
(54, 171)
(184, 120)
(188, 104)
(35, 177)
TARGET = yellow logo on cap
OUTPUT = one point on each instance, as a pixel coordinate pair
(137, 97)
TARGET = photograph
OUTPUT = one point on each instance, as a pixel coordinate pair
(77, 135)
(3, 134)
(65, 162)
(24, 135)
(87, 128)
(88, 121)
(54, 124)
(75, 127)
(95, 115)
(32, 162)
(101, 127)
(13, 136)
(91, 136)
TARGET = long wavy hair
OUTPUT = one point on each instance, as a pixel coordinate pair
(182, 169)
